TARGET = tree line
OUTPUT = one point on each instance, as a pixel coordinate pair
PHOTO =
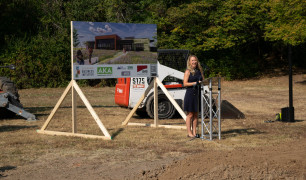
(235, 38)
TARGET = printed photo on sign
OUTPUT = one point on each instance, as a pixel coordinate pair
(114, 43)
(101, 43)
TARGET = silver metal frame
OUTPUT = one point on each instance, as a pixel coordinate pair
(209, 100)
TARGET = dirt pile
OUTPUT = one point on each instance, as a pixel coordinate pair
(272, 162)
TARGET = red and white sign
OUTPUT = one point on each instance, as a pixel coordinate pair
(138, 82)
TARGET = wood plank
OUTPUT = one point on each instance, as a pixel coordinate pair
(71, 48)
(74, 107)
(72, 134)
(73, 93)
(152, 125)
(172, 126)
(90, 109)
(177, 107)
(155, 103)
(59, 102)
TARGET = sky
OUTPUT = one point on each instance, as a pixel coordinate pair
(88, 30)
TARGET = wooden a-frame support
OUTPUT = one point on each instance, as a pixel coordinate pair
(156, 82)
(74, 87)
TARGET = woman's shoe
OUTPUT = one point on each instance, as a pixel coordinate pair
(191, 136)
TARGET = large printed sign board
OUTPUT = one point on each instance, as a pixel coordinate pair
(114, 71)
(113, 50)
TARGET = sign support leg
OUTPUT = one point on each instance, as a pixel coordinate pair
(156, 83)
(74, 86)
(155, 103)
(74, 107)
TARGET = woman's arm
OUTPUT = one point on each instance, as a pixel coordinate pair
(186, 77)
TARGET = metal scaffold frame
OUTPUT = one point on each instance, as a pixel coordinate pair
(211, 110)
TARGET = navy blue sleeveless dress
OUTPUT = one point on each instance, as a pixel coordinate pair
(191, 99)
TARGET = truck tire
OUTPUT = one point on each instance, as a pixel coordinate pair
(165, 109)
(7, 86)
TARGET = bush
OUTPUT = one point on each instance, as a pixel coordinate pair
(41, 61)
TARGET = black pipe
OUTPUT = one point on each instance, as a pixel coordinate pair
(291, 111)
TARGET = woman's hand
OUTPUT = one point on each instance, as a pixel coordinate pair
(197, 83)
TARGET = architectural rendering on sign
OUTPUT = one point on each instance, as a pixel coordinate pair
(98, 44)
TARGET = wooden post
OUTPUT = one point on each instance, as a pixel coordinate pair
(71, 46)
(74, 107)
(155, 103)
(74, 128)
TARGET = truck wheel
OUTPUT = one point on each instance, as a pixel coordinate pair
(165, 109)
(6, 85)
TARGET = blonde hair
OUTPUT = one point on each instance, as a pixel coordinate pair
(192, 71)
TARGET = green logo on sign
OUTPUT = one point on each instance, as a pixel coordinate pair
(105, 70)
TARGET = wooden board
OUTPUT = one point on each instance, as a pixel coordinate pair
(55, 133)
(160, 125)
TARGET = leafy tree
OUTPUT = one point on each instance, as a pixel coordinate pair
(287, 22)
(42, 57)
(235, 38)
(19, 19)
(232, 36)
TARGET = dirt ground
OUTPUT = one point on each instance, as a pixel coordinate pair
(256, 147)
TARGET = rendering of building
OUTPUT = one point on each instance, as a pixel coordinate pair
(114, 42)
(109, 42)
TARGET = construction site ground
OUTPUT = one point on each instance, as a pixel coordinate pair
(256, 147)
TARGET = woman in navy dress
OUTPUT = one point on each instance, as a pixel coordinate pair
(192, 77)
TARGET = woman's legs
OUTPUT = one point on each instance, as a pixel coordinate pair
(194, 123)
(189, 120)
